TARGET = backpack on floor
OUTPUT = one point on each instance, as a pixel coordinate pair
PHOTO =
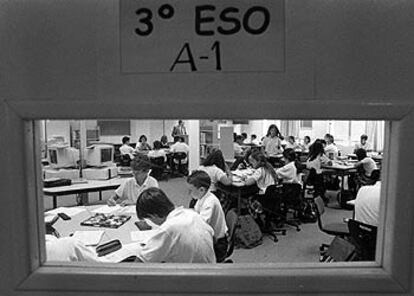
(307, 213)
(248, 234)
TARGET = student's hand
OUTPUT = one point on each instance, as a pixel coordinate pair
(330, 163)
(111, 202)
(124, 203)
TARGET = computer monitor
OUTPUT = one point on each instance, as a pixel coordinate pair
(99, 155)
(63, 157)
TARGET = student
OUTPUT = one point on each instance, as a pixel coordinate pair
(291, 143)
(366, 165)
(157, 151)
(180, 146)
(128, 192)
(238, 150)
(182, 236)
(314, 163)
(331, 150)
(142, 144)
(254, 140)
(216, 168)
(367, 204)
(306, 144)
(126, 149)
(244, 135)
(209, 207)
(68, 249)
(363, 144)
(272, 144)
(164, 142)
(264, 174)
(289, 172)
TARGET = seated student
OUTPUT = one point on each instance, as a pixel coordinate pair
(363, 144)
(126, 149)
(128, 192)
(289, 172)
(331, 150)
(215, 166)
(164, 142)
(254, 140)
(306, 144)
(367, 204)
(157, 151)
(291, 143)
(238, 150)
(180, 146)
(264, 174)
(209, 207)
(142, 144)
(244, 135)
(366, 165)
(68, 249)
(182, 236)
(314, 163)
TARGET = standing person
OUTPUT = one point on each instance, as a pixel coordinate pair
(129, 191)
(272, 144)
(126, 149)
(142, 144)
(179, 129)
(363, 144)
(209, 207)
(181, 235)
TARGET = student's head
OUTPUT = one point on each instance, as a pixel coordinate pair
(198, 184)
(180, 122)
(234, 137)
(125, 140)
(329, 138)
(289, 155)
(360, 154)
(316, 149)
(364, 139)
(239, 139)
(306, 139)
(253, 137)
(244, 135)
(215, 158)
(291, 139)
(142, 139)
(141, 167)
(154, 205)
(157, 145)
(164, 139)
(273, 131)
(258, 160)
(177, 139)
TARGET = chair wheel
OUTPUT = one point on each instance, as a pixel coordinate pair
(297, 229)
(284, 232)
(275, 240)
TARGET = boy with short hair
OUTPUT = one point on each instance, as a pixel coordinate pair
(181, 236)
(209, 207)
(129, 191)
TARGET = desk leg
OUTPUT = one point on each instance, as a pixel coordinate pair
(100, 195)
(54, 201)
(82, 199)
(238, 203)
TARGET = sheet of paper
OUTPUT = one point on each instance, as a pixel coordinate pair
(89, 238)
(108, 209)
(126, 251)
(127, 210)
(70, 211)
(142, 236)
(49, 217)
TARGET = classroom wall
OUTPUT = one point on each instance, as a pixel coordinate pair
(344, 59)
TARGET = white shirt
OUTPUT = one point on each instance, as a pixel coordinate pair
(131, 190)
(366, 146)
(317, 163)
(288, 173)
(272, 146)
(157, 153)
(184, 237)
(291, 146)
(126, 149)
(238, 150)
(179, 147)
(367, 204)
(214, 173)
(331, 148)
(263, 179)
(68, 249)
(210, 209)
(369, 165)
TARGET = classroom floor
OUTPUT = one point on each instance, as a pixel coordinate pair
(294, 247)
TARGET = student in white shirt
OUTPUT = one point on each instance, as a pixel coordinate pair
(126, 149)
(331, 150)
(182, 236)
(314, 163)
(367, 204)
(209, 207)
(365, 167)
(180, 146)
(68, 249)
(157, 151)
(238, 150)
(272, 144)
(291, 143)
(289, 173)
(254, 140)
(128, 192)
(264, 174)
(363, 144)
(306, 144)
(215, 166)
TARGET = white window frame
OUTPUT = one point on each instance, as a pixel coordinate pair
(22, 210)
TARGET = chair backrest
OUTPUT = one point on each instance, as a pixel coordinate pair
(231, 222)
(320, 209)
(125, 160)
(292, 195)
(179, 155)
(157, 161)
(365, 237)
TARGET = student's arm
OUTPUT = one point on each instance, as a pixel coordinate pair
(112, 200)
(157, 247)
(224, 177)
(254, 178)
(119, 192)
(206, 213)
(284, 172)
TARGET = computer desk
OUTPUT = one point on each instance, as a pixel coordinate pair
(90, 186)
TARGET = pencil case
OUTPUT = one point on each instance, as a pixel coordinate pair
(108, 247)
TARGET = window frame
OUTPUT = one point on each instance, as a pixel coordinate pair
(390, 273)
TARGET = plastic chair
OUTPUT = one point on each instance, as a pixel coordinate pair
(364, 237)
(340, 229)
(159, 168)
(292, 200)
(231, 222)
(177, 165)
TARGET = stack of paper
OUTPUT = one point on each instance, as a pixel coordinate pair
(89, 238)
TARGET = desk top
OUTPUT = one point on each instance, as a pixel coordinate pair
(340, 166)
(90, 185)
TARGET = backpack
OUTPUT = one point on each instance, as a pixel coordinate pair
(248, 234)
(308, 213)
